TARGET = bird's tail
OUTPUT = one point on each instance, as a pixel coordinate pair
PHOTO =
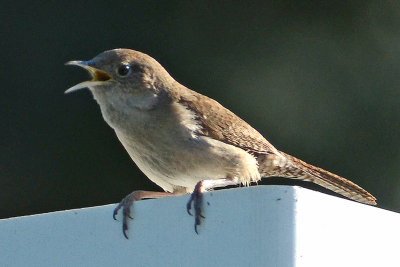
(294, 168)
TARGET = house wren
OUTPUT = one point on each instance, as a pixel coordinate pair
(186, 142)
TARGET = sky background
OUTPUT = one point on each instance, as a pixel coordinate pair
(319, 80)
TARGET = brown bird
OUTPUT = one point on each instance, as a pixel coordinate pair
(186, 142)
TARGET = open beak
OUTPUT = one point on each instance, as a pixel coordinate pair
(98, 76)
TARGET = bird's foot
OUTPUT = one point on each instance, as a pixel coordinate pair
(196, 198)
(126, 205)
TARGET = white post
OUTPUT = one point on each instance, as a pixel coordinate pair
(256, 226)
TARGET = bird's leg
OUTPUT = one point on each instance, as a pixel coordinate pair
(127, 203)
(196, 198)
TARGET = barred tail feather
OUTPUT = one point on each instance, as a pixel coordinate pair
(294, 168)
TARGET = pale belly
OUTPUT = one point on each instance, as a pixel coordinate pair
(182, 165)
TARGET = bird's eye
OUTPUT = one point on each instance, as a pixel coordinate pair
(124, 70)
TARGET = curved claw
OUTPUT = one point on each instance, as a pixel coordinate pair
(116, 211)
(124, 229)
(195, 228)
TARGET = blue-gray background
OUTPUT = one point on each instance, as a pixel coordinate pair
(319, 80)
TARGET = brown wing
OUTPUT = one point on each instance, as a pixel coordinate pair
(221, 124)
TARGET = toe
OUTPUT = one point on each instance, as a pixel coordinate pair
(189, 205)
